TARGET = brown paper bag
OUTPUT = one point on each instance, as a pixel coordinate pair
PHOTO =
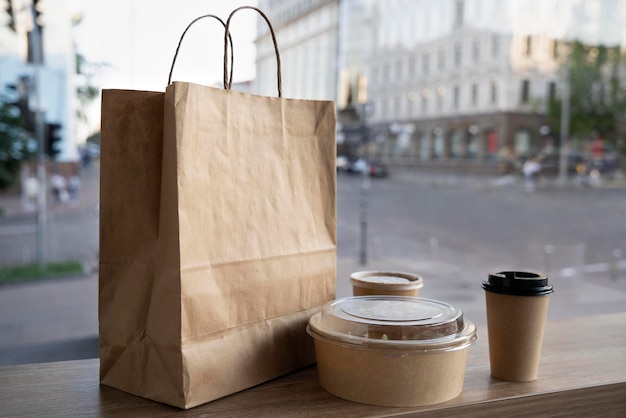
(217, 238)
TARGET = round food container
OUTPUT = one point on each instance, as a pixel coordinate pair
(365, 283)
(391, 350)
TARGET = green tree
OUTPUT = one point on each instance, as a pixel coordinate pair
(86, 91)
(16, 145)
(596, 94)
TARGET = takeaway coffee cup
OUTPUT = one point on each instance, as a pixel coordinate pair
(393, 283)
(517, 306)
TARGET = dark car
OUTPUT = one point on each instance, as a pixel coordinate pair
(550, 164)
(373, 168)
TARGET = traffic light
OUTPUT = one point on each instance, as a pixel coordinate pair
(52, 139)
(35, 36)
(9, 9)
(22, 88)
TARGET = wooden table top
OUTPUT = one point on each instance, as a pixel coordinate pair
(582, 373)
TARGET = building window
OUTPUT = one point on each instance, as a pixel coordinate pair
(458, 13)
(525, 94)
(476, 50)
(412, 59)
(494, 93)
(456, 97)
(495, 45)
(425, 63)
(441, 57)
(474, 94)
(409, 105)
(458, 51)
(386, 107)
(528, 46)
(376, 75)
(441, 92)
(386, 71)
(398, 69)
(551, 92)
(379, 108)
(425, 94)
(555, 49)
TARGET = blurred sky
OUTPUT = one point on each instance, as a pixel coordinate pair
(137, 39)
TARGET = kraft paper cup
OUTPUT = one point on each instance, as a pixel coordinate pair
(517, 307)
(370, 283)
(391, 350)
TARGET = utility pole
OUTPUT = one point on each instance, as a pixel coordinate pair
(365, 187)
(37, 60)
(565, 122)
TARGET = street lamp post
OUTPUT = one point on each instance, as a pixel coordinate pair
(365, 186)
(365, 110)
(565, 120)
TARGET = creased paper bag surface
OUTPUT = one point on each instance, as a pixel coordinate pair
(229, 238)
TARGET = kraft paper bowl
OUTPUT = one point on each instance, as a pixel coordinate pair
(367, 283)
(391, 350)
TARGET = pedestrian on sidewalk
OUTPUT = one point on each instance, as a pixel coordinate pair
(531, 169)
(59, 188)
(31, 189)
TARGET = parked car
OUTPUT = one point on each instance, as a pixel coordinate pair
(374, 168)
(550, 164)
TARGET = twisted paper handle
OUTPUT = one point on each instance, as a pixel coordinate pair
(227, 85)
(227, 38)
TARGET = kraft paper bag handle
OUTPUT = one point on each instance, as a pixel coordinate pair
(227, 85)
(227, 38)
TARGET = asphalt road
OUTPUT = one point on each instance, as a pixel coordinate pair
(451, 230)
(481, 225)
(455, 231)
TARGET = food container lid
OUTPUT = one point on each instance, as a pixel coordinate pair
(392, 323)
(521, 283)
(386, 280)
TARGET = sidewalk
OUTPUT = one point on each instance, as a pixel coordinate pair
(54, 319)
(72, 229)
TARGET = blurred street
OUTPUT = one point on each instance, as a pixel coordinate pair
(451, 230)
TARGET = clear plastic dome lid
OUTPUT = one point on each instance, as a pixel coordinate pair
(393, 322)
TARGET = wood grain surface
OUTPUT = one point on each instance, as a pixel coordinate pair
(582, 373)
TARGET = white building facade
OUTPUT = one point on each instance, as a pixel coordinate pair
(307, 34)
(423, 80)
(471, 79)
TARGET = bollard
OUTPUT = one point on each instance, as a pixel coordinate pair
(616, 256)
(434, 247)
(548, 252)
(580, 251)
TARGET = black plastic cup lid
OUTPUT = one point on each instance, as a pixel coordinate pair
(521, 283)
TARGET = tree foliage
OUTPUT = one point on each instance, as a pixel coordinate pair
(86, 91)
(596, 94)
(15, 143)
